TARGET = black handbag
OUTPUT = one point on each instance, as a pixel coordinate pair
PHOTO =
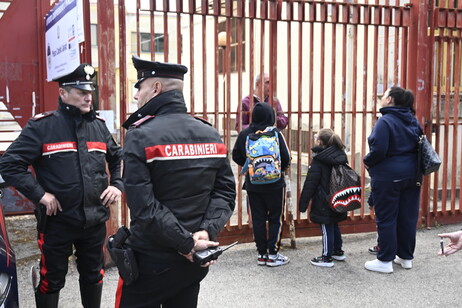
(428, 159)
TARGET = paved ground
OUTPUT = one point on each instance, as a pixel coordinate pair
(236, 280)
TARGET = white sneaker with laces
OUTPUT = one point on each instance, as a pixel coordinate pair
(276, 260)
(379, 266)
(407, 264)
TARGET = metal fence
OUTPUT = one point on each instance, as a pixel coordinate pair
(328, 61)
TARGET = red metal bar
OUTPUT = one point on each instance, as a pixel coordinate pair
(344, 72)
(455, 134)
(252, 13)
(192, 66)
(396, 66)
(321, 71)
(419, 79)
(456, 99)
(289, 12)
(447, 101)
(166, 4)
(106, 55)
(85, 55)
(44, 95)
(123, 92)
(364, 114)
(204, 65)
(385, 59)
(334, 8)
(262, 58)
(138, 35)
(439, 70)
(217, 71)
(227, 102)
(404, 59)
(179, 39)
(353, 96)
(374, 72)
(300, 85)
(153, 39)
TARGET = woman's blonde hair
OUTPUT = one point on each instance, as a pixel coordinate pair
(329, 138)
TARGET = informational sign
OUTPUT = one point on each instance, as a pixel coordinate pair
(64, 32)
(108, 116)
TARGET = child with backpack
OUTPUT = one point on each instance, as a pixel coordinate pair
(263, 153)
(327, 152)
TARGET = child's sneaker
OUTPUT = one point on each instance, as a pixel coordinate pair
(322, 261)
(339, 255)
(276, 260)
(261, 259)
(374, 250)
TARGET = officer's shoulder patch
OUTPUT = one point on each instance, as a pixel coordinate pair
(100, 118)
(143, 120)
(203, 120)
(42, 115)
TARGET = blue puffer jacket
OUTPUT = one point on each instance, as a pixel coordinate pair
(393, 145)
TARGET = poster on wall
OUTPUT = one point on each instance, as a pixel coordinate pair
(63, 33)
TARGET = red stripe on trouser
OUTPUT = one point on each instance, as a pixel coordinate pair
(120, 285)
(43, 287)
(102, 275)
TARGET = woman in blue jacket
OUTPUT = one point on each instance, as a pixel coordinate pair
(392, 165)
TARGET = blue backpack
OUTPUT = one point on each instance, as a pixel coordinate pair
(263, 157)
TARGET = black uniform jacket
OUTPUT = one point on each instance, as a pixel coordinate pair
(316, 185)
(69, 152)
(177, 178)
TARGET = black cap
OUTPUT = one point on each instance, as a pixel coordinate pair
(80, 78)
(148, 69)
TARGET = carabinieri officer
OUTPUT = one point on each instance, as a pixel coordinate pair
(179, 186)
(68, 149)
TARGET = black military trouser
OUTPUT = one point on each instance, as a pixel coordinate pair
(170, 282)
(56, 243)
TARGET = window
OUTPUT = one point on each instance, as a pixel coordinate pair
(145, 42)
(234, 46)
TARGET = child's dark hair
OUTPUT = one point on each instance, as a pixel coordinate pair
(402, 97)
(329, 138)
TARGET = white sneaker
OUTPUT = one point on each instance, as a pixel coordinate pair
(379, 266)
(407, 264)
(276, 260)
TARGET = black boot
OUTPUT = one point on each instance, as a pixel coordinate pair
(91, 295)
(46, 300)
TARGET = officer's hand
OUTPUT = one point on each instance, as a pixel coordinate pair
(200, 245)
(110, 195)
(204, 244)
(201, 235)
(52, 204)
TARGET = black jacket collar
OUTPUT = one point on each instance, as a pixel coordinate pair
(167, 102)
(74, 111)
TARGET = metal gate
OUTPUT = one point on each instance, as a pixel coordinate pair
(444, 204)
(329, 63)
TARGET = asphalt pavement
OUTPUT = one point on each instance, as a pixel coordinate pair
(237, 281)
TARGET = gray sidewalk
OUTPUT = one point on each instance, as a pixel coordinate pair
(237, 281)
